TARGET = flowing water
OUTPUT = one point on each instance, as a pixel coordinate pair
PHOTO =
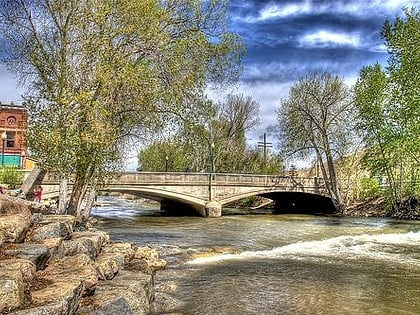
(263, 263)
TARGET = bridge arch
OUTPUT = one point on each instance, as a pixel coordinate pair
(289, 201)
(162, 196)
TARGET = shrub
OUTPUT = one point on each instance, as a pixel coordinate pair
(370, 187)
(11, 176)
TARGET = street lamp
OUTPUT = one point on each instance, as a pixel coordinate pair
(166, 163)
(212, 168)
(3, 137)
(23, 154)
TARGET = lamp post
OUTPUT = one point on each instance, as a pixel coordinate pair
(212, 168)
(23, 154)
(3, 137)
(166, 163)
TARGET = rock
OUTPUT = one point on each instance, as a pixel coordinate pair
(107, 266)
(121, 253)
(151, 257)
(136, 288)
(52, 226)
(15, 221)
(139, 265)
(57, 298)
(52, 230)
(119, 306)
(53, 245)
(164, 304)
(37, 218)
(11, 291)
(114, 256)
(65, 276)
(87, 242)
(56, 270)
(37, 253)
(49, 309)
(15, 275)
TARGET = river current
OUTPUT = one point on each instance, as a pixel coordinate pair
(263, 263)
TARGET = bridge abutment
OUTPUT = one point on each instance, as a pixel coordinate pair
(213, 209)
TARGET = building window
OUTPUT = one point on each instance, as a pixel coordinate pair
(11, 120)
(10, 140)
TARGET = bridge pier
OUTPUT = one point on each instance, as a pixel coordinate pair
(213, 209)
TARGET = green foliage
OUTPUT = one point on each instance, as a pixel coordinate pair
(216, 136)
(11, 176)
(167, 155)
(370, 188)
(389, 106)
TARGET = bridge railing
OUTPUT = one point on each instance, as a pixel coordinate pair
(153, 178)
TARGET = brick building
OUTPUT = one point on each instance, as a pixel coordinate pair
(13, 126)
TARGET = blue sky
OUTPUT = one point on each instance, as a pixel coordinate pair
(286, 39)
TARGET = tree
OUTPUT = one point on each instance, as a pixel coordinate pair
(217, 135)
(99, 72)
(389, 107)
(234, 117)
(316, 120)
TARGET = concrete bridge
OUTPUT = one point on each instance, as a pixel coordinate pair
(207, 193)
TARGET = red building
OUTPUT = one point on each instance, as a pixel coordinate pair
(13, 126)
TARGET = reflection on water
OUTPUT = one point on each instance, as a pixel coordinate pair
(278, 264)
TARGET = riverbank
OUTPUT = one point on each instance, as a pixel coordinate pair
(377, 207)
(54, 264)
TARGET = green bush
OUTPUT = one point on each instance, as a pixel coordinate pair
(370, 187)
(11, 176)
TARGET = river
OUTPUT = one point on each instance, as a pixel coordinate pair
(263, 263)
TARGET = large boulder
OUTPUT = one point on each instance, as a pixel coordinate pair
(112, 258)
(15, 220)
(150, 256)
(36, 253)
(68, 279)
(53, 226)
(118, 306)
(135, 287)
(15, 276)
(165, 304)
(121, 253)
(58, 308)
(87, 242)
(53, 244)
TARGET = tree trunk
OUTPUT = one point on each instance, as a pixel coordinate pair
(87, 205)
(76, 194)
(81, 184)
(333, 179)
(62, 197)
(34, 179)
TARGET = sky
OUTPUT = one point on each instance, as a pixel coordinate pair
(287, 39)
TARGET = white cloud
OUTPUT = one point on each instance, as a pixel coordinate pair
(379, 48)
(324, 38)
(357, 8)
(279, 11)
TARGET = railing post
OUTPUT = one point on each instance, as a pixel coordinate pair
(210, 187)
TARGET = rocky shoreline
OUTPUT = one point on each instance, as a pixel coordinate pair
(54, 264)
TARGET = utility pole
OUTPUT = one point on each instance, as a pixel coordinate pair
(265, 145)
